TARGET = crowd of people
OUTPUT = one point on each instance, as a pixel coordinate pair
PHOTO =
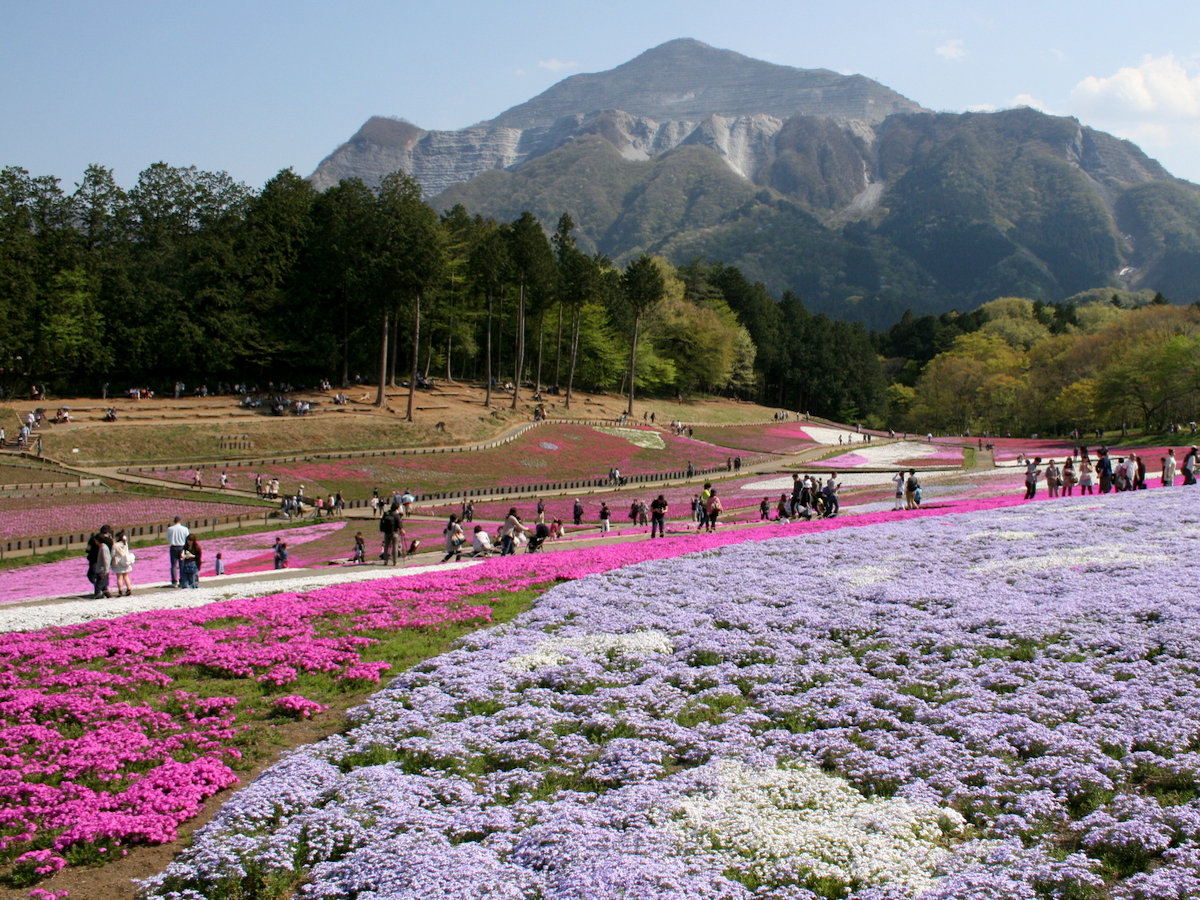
(1128, 473)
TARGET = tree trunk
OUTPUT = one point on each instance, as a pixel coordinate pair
(558, 348)
(487, 396)
(345, 344)
(500, 333)
(520, 360)
(632, 363)
(541, 331)
(576, 315)
(395, 350)
(416, 352)
(381, 397)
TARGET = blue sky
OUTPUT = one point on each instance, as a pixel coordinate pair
(254, 87)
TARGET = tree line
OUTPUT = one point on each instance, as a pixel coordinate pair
(1017, 366)
(191, 276)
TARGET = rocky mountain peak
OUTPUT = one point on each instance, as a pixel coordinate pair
(668, 92)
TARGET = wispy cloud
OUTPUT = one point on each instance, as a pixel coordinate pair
(556, 65)
(953, 50)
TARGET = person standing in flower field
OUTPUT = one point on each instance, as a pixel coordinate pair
(898, 479)
(1189, 467)
(912, 486)
(281, 555)
(1168, 468)
(177, 536)
(99, 558)
(712, 511)
(1085, 476)
(122, 564)
(658, 516)
(389, 528)
(189, 563)
(1104, 470)
(577, 511)
(605, 517)
(1053, 477)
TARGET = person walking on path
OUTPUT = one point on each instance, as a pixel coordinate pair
(605, 517)
(1189, 467)
(99, 557)
(512, 527)
(1032, 474)
(455, 537)
(177, 536)
(122, 564)
(577, 511)
(898, 479)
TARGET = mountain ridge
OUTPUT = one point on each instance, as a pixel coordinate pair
(831, 186)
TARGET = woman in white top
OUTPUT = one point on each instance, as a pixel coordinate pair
(454, 536)
(1085, 477)
(122, 564)
(482, 542)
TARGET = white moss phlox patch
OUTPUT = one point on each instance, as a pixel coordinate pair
(649, 440)
(795, 822)
(552, 652)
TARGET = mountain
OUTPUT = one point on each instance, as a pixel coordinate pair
(835, 187)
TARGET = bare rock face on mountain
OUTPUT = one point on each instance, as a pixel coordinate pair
(680, 92)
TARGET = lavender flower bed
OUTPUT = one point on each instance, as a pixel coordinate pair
(992, 705)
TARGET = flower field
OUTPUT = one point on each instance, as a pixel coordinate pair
(115, 732)
(547, 454)
(775, 437)
(1000, 704)
(40, 514)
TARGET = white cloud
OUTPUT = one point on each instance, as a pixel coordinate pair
(1160, 88)
(1031, 101)
(556, 65)
(952, 50)
(1156, 105)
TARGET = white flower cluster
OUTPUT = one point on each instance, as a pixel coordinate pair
(1106, 555)
(649, 440)
(1003, 535)
(795, 822)
(551, 652)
